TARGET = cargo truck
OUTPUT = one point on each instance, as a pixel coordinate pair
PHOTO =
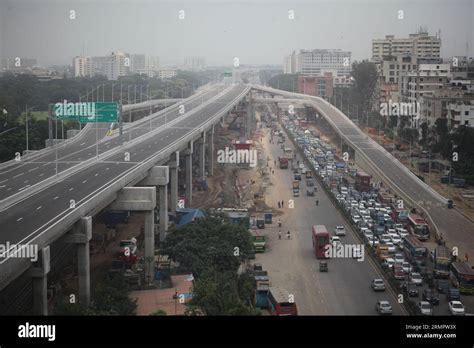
(296, 188)
(442, 262)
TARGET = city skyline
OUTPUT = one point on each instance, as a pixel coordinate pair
(257, 33)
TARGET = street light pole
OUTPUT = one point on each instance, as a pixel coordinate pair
(26, 123)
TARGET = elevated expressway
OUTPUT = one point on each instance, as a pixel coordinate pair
(66, 204)
(455, 227)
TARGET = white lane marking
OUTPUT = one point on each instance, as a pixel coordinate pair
(38, 208)
(41, 174)
(84, 181)
(18, 175)
(3, 186)
(33, 169)
(72, 188)
(56, 197)
(82, 144)
(107, 168)
(24, 187)
(19, 219)
(45, 164)
(9, 189)
(3, 181)
(96, 174)
(26, 181)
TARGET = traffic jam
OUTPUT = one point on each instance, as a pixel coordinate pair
(397, 237)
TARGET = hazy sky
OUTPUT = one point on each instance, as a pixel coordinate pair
(258, 32)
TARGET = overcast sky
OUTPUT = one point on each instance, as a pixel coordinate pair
(258, 31)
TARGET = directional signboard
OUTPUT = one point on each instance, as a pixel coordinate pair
(227, 74)
(86, 112)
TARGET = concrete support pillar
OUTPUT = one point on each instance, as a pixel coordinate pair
(202, 157)
(39, 273)
(159, 176)
(188, 162)
(141, 199)
(163, 211)
(80, 235)
(210, 152)
(149, 246)
(173, 167)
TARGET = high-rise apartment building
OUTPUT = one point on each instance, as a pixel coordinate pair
(420, 44)
(317, 62)
(83, 67)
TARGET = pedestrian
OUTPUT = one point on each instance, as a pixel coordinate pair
(273, 172)
(467, 257)
(282, 204)
(274, 163)
(279, 204)
(279, 235)
(288, 235)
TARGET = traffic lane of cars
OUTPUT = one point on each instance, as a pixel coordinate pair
(347, 284)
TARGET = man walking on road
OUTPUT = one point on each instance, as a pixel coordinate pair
(282, 204)
(288, 235)
(279, 235)
(279, 204)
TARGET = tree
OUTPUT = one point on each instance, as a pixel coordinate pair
(206, 243)
(285, 82)
(365, 83)
(108, 298)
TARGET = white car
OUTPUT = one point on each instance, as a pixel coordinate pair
(301, 166)
(416, 278)
(383, 307)
(406, 267)
(399, 258)
(340, 231)
(372, 241)
(385, 238)
(335, 240)
(391, 247)
(402, 232)
(389, 262)
(424, 307)
(456, 308)
(396, 239)
(356, 219)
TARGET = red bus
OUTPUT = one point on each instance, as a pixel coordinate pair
(281, 302)
(418, 227)
(320, 240)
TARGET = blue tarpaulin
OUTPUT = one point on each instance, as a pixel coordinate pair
(186, 215)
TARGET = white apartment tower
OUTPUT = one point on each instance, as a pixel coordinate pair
(420, 44)
(116, 65)
(83, 66)
(316, 62)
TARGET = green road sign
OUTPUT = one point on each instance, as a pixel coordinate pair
(227, 74)
(86, 112)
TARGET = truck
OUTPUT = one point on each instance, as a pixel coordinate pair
(258, 241)
(296, 188)
(283, 163)
(442, 262)
(362, 181)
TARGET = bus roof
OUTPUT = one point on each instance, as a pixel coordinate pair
(417, 219)
(413, 241)
(280, 295)
(319, 229)
(463, 268)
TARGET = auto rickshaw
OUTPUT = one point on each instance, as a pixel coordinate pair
(323, 266)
